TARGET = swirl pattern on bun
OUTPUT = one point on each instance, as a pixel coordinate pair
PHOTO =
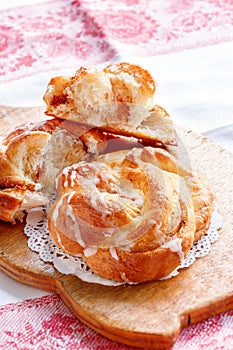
(131, 214)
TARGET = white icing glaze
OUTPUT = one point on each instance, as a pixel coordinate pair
(125, 188)
(126, 197)
(38, 186)
(121, 238)
(65, 172)
(75, 226)
(59, 240)
(89, 251)
(72, 178)
(69, 212)
(40, 241)
(175, 245)
(56, 183)
(70, 196)
(56, 210)
(113, 253)
(99, 201)
(123, 277)
(78, 234)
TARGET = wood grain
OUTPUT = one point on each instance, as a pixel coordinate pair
(148, 315)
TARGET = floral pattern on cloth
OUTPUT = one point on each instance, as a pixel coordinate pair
(47, 36)
(46, 323)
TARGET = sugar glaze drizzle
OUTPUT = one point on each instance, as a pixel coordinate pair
(36, 229)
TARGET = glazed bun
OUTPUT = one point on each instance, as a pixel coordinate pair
(118, 99)
(31, 156)
(130, 213)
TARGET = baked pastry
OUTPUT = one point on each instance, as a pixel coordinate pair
(132, 209)
(32, 154)
(30, 157)
(18, 197)
(131, 214)
(117, 99)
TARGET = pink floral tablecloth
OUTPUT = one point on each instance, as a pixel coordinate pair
(46, 323)
(44, 36)
(188, 47)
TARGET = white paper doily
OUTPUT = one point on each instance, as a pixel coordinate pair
(36, 229)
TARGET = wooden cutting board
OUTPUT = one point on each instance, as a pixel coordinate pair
(147, 315)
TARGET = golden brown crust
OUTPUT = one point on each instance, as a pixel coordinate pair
(117, 99)
(9, 204)
(203, 202)
(122, 91)
(15, 201)
(15, 181)
(134, 267)
(133, 207)
(7, 168)
(32, 154)
(58, 93)
(63, 242)
(25, 150)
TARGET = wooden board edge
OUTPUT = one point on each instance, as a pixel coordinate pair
(136, 339)
(29, 278)
(118, 335)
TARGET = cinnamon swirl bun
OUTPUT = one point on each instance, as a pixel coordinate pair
(131, 214)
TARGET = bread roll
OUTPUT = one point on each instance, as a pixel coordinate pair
(130, 213)
(31, 156)
(118, 99)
